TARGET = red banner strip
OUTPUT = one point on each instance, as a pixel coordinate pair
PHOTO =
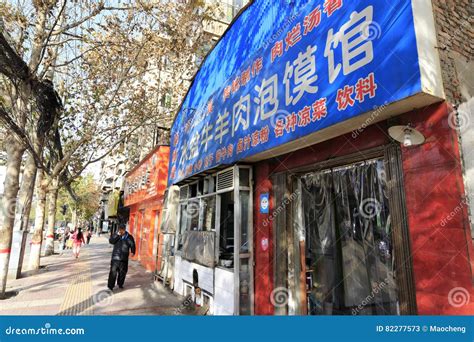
(5, 251)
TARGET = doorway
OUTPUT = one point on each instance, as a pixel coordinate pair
(344, 237)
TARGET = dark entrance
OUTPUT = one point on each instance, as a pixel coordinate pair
(339, 243)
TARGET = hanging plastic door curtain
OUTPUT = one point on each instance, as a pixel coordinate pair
(348, 245)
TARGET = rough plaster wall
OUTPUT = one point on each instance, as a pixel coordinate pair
(454, 21)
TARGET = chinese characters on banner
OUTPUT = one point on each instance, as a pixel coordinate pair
(326, 67)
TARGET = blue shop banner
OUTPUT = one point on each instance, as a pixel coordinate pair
(287, 69)
(228, 329)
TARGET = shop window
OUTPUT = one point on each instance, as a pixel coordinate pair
(244, 177)
(207, 302)
(209, 185)
(193, 214)
(200, 188)
(193, 190)
(188, 291)
(207, 215)
(226, 240)
(244, 221)
(244, 288)
(183, 223)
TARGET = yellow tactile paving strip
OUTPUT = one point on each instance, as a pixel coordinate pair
(78, 297)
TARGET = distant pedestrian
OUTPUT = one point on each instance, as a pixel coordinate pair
(89, 235)
(65, 238)
(123, 244)
(77, 240)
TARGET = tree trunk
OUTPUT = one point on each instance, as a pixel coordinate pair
(37, 238)
(12, 179)
(22, 214)
(25, 195)
(74, 217)
(53, 199)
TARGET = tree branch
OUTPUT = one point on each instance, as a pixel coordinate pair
(21, 136)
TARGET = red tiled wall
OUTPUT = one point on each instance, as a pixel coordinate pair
(441, 247)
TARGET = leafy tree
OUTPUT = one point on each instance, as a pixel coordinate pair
(76, 81)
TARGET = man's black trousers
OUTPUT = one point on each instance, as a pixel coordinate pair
(118, 271)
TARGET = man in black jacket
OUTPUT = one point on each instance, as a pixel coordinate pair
(123, 243)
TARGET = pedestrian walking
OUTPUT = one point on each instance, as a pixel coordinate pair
(77, 240)
(65, 238)
(124, 243)
(89, 235)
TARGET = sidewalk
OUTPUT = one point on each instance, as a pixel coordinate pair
(66, 286)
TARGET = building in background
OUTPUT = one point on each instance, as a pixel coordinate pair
(320, 172)
(115, 166)
(144, 191)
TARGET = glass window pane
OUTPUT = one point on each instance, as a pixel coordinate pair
(208, 213)
(192, 211)
(182, 224)
(244, 287)
(244, 177)
(244, 221)
(226, 240)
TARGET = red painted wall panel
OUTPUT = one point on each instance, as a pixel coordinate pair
(437, 215)
(263, 252)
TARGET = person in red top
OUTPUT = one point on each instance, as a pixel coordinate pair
(77, 240)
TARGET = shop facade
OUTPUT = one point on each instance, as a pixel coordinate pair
(144, 191)
(322, 175)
